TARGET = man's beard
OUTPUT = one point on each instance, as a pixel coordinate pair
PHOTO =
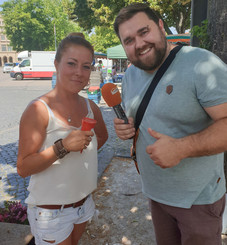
(158, 57)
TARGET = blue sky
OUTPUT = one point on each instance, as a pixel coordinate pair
(2, 1)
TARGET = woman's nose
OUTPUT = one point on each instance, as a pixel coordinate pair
(78, 70)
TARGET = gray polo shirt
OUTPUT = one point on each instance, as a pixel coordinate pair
(198, 79)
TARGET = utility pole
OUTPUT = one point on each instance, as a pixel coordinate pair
(55, 37)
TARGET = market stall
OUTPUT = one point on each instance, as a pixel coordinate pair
(118, 54)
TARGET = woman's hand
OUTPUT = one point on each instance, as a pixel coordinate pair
(77, 140)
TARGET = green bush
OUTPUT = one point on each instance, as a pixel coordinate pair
(202, 34)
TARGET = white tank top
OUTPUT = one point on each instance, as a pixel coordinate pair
(69, 179)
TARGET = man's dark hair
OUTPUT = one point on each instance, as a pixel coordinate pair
(128, 12)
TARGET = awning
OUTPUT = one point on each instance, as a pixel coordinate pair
(116, 52)
(100, 55)
(181, 38)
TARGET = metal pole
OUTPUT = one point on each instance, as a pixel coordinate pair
(55, 37)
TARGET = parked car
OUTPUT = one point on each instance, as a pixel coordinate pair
(8, 67)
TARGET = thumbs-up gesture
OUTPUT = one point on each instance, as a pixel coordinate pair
(166, 151)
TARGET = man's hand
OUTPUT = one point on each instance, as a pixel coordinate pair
(124, 131)
(166, 151)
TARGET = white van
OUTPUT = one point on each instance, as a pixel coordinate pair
(8, 67)
(34, 64)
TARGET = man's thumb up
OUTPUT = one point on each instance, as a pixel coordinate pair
(154, 133)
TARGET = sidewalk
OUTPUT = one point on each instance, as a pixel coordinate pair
(124, 217)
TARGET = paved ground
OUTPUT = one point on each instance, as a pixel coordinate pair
(124, 216)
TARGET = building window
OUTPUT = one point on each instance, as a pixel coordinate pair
(4, 59)
(4, 48)
(3, 37)
(10, 48)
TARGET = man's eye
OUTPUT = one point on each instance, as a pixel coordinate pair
(71, 63)
(128, 42)
(144, 33)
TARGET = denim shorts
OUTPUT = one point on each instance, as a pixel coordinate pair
(57, 224)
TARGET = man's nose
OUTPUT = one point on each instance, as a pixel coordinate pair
(139, 42)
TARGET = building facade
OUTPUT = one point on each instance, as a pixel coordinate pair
(7, 54)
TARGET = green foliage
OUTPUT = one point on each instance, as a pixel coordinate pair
(202, 34)
(29, 24)
(84, 15)
(91, 13)
(59, 13)
(103, 38)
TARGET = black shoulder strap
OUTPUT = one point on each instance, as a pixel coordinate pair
(162, 69)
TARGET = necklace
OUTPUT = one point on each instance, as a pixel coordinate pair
(69, 119)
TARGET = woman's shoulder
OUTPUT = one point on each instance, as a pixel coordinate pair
(95, 109)
(36, 110)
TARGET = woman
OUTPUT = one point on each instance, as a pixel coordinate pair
(60, 158)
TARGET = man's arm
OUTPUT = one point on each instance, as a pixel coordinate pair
(168, 152)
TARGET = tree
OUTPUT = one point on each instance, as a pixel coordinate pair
(217, 26)
(99, 15)
(91, 13)
(84, 15)
(103, 38)
(29, 24)
(25, 24)
(60, 13)
(175, 13)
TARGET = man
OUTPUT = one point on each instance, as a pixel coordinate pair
(183, 132)
(99, 66)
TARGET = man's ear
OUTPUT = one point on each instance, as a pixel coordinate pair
(56, 64)
(161, 26)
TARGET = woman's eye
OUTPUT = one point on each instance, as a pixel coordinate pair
(87, 67)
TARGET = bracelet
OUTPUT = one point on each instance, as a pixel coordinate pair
(59, 149)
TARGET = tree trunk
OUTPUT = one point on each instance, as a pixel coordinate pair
(217, 29)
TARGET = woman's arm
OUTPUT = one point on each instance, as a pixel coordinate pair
(33, 125)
